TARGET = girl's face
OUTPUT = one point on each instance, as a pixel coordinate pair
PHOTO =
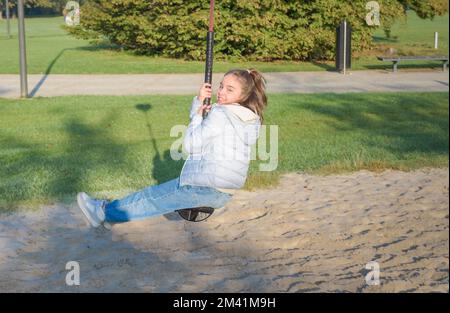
(230, 90)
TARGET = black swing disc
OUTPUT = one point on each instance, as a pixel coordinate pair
(196, 214)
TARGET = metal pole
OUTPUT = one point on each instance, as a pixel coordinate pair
(345, 45)
(22, 51)
(436, 36)
(8, 28)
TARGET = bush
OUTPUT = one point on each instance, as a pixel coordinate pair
(247, 30)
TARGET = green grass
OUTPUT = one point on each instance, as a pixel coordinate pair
(417, 35)
(51, 50)
(51, 148)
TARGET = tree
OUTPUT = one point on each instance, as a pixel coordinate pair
(426, 9)
(251, 30)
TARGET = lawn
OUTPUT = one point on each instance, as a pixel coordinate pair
(51, 148)
(51, 50)
(416, 36)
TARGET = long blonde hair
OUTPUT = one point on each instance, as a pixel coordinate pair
(253, 90)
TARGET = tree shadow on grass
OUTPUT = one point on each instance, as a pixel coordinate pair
(411, 124)
(36, 172)
(325, 66)
(90, 150)
(99, 46)
(165, 168)
(378, 39)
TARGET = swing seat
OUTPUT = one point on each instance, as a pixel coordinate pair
(196, 214)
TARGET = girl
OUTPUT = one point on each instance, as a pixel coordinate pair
(219, 155)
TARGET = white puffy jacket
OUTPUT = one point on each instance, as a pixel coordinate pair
(219, 146)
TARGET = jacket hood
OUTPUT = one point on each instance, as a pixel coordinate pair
(245, 122)
(245, 114)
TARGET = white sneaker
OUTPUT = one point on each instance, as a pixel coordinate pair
(107, 225)
(93, 209)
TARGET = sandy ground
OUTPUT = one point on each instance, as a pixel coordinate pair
(310, 234)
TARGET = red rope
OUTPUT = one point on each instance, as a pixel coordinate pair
(211, 16)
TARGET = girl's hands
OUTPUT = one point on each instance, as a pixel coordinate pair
(203, 107)
(204, 92)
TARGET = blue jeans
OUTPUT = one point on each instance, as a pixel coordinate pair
(161, 199)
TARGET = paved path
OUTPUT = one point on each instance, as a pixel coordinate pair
(301, 82)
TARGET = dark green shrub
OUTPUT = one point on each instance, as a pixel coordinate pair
(246, 30)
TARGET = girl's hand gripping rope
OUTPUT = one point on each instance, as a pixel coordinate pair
(204, 92)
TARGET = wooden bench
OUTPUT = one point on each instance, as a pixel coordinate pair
(396, 60)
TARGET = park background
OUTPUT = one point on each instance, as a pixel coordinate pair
(361, 176)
